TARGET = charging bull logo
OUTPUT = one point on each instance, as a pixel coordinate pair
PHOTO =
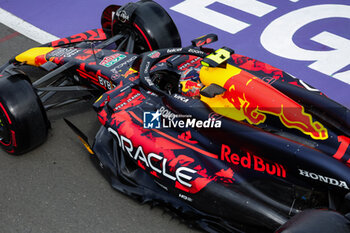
(252, 98)
(129, 72)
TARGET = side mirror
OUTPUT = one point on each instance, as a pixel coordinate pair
(203, 40)
(212, 90)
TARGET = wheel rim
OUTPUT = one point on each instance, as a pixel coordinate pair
(4, 130)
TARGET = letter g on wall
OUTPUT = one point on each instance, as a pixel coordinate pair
(277, 38)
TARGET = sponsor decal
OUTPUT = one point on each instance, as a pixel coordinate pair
(133, 79)
(269, 80)
(291, 114)
(182, 67)
(149, 81)
(167, 114)
(125, 62)
(215, 116)
(245, 103)
(155, 162)
(160, 64)
(173, 58)
(154, 54)
(181, 98)
(111, 60)
(251, 161)
(324, 179)
(115, 76)
(147, 67)
(157, 142)
(133, 98)
(196, 51)
(129, 72)
(186, 198)
(126, 102)
(64, 52)
(108, 84)
(152, 93)
(95, 34)
(176, 50)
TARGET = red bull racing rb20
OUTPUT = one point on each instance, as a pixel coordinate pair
(226, 142)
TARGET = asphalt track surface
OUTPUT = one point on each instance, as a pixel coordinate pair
(56, 188)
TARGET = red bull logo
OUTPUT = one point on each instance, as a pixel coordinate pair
(251, 161)
(129, 72)
(252, 99)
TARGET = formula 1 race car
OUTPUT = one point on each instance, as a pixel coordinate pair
(226, 142)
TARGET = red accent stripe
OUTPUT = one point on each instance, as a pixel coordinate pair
(344, 144)
(87, 75)
(13, 134)
(5, 144)
(178, 141)
(144, 36)
(92, 79)
(7, 116)
(84, 76)
(10, 122)
(8, 37)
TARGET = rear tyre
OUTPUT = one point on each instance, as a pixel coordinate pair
(23, 120)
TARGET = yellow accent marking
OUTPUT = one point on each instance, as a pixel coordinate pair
(219, 76)
(183, 85)
(249, 82)
(99, 98)
(30, 55)
(219, 56)
(87, 146)
(204, 63)
(200, 37)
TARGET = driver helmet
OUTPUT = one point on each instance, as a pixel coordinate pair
(190, 83)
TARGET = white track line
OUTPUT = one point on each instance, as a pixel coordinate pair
(25, 28)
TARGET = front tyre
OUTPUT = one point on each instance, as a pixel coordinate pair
(142, 26)
(23, 121)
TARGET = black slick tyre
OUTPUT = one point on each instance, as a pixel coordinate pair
(149, 24)
(23, 121)
(156, 26)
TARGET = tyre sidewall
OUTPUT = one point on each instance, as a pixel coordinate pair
(151, 23)
(24, 113)
(157, 26)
